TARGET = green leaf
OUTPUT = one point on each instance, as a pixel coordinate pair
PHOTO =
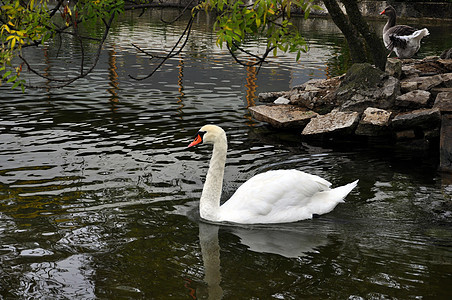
(16, 84)
(12, 78)
(258, 22)
(6, 74)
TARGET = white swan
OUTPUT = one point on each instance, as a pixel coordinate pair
(278, 196)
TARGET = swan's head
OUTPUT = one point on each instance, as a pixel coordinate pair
(209, 134)
(388, 11)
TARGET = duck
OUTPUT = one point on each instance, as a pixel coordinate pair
(404, 40)
(275, 196)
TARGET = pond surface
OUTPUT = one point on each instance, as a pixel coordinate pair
(99, 194)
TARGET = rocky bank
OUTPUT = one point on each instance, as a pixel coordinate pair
(411, 103)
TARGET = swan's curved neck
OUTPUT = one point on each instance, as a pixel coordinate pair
(210, 199)
(391, 22)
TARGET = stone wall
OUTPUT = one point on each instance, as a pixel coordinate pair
(438, 10)
(174, 3)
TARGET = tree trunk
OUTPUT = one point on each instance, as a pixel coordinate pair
(365, 45)
(355, 43)
(373, 41)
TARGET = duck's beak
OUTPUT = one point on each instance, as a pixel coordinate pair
(196, 141)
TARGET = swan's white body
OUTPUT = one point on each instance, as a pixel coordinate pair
(278, 196)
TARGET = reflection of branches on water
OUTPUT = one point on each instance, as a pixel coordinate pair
(55, 82)
(173, 52)
(240, 55)
(251, 59)
(83, 72)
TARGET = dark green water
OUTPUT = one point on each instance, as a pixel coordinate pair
(98, 192)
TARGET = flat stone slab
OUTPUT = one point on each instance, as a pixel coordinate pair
(447, 80)
(335, 121)
(436, 91)
(408, 86)
(374, 122)
(414, 99)
(443, 101)
(421, 118)
(282, 116)
(427, 82)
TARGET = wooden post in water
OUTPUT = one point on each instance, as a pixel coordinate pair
(443, 101)
(445, 151)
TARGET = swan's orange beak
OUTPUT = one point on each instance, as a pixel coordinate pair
(383, 12)
(198, 139)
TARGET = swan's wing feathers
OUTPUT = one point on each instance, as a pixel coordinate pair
(396, 36)
(278, 194)
(403, 36)
(275, 186)
(402, 30)
(397, 42)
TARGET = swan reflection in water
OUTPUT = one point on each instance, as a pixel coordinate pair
(286, 240)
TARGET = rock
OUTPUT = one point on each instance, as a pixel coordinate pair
(421, 118)
(409, 71)
(320, 101)
(366, 86)
(333, 122)
(431, 66)
(447, 54)
(316, 94)
(309, 85)
(394, 67)
(375, 94)
(447, 80)
(405, 134)
(271, 96)
(432, 133)
(443, 102)
(304, 98)
(281, 100)
(282, 116)
(413, 100)
(445, 150)
(437, 90)
(446, 63)
(361, 76)
(408, 86)
(428, 82)
(374, 122)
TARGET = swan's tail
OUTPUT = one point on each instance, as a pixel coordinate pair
(326, 201)
(341, 192)
(419, 34)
